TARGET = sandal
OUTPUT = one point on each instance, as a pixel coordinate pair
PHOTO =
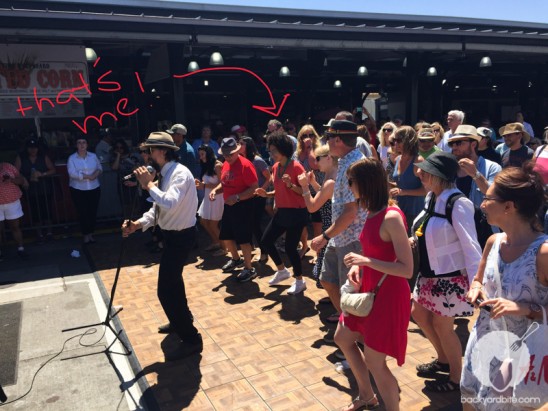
(431, 368)
(445, 385)
(358, 404)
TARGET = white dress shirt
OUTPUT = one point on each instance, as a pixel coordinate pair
(176, 199)
(78, 166)
(452, 248)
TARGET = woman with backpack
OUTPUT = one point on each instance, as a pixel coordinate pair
(449, 255)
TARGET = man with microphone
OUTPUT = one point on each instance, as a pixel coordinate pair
(174, 211)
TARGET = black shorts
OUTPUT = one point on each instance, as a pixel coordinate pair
(316, 217)
(237, 222)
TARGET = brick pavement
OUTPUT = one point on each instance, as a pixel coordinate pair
(263, 349)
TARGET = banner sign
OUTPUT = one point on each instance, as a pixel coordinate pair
(28, 71)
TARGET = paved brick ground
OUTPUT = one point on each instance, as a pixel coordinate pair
(263, 349)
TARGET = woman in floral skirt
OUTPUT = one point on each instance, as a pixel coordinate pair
(449, 257)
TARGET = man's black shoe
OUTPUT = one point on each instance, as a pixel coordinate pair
(232, 265)
(185, 349)
(165, 329)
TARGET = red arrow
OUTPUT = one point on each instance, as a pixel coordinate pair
(266, 109)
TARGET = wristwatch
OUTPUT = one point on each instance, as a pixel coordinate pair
(324, 235)
(477, 175)
(237, 198)
(535, 309)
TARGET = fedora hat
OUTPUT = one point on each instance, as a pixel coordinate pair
(342, 128)
(177, 128)
(426, 134)
(511, 128)
(465, 131)
(229, 145)
(160, 139)
(440, 164)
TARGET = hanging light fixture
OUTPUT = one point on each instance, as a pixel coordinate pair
(485, 62)
(362, 71)
(216, 59)
(193, 66)
(91, 56)
(337, 84)
(284, 72)
(404, 64)
(432, 72)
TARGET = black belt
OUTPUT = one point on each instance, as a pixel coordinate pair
(184, 230)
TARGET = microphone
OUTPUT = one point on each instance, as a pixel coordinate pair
(150, 169)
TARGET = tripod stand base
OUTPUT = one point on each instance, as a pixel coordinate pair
(107, 324)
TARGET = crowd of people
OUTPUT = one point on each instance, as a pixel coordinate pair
(439, 222)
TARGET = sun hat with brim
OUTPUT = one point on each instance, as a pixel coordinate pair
(440, 164)
(177, 128)
(485, 132)
(342, 128)
(426, 134)
(511, 128)
(229, 145)
(160, 139)
(465, 131)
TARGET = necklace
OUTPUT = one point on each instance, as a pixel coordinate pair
(282, 172)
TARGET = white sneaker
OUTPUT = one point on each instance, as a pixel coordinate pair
(297, 287)
(279, 276)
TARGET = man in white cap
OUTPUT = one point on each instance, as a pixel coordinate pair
(174, 211)
(187, 156)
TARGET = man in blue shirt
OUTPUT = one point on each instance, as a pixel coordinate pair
(187, 156)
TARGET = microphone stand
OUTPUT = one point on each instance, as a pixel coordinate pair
(109, 317)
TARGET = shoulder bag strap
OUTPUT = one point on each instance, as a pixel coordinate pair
(376, 290)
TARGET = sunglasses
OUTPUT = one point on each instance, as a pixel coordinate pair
(457, 143)
(387, 130)
(398, 140)
(309, 135)
(350, 181)
(318, 157)
(392, 143)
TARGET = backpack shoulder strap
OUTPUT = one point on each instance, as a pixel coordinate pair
(540, 150)
(450, 204)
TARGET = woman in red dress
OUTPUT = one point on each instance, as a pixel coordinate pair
(386, 249)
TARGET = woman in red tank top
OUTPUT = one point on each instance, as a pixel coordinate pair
(386, 249)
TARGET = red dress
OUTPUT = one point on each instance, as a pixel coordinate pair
(385, 328)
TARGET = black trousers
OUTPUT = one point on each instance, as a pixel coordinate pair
(86, 203)
(292, 236)
(171, 286)
(258, 213)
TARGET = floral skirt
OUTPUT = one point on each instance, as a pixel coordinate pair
(445, 296)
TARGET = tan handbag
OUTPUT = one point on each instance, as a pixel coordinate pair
(360, 304)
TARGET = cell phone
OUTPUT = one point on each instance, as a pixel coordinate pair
(485, 307)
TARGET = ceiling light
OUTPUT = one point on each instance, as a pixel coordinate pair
(432, 72)
(284, 72)
(91, 56)
(216, 59)
(362, 71)
(485, 62)
(193, 66)
(443, 81)
(206, 83)
(337, 84)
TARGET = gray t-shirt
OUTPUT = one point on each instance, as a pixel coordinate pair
(260, 166)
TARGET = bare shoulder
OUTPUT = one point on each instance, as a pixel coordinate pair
(542, 263)
(393, 218)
